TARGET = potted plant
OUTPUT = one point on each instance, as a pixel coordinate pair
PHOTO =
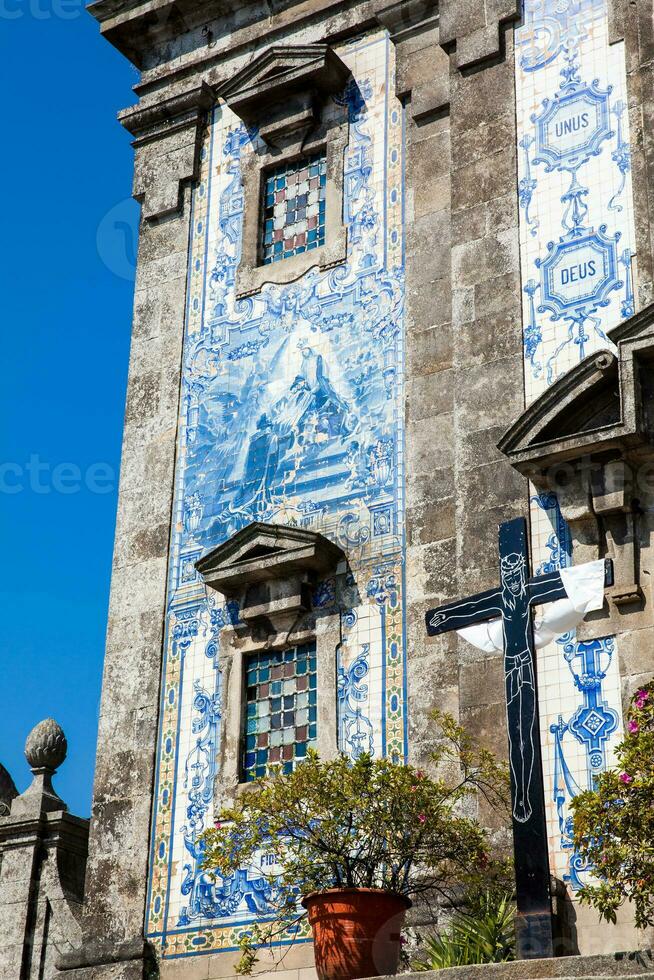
(614, 823)
(354, 843)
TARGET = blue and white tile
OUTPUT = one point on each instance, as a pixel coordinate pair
(291, 411)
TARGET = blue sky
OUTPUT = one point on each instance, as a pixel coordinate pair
(67, 249)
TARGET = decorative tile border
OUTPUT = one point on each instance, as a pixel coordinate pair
(291, 411)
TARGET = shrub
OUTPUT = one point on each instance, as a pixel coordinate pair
(482, 933)
(614, 823)
(368, 823)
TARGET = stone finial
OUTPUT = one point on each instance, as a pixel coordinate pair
(46, 746)
(45, 750)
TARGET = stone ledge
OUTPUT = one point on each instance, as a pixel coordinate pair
(628, 964)
(101, 953)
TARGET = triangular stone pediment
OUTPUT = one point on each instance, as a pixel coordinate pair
(280, 72)
(593, 408)
(577, 406)
(263, 552)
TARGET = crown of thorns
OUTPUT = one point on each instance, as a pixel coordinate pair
(513, 563)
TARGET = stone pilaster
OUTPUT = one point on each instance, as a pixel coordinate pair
(464, 335)
(166, 140)
(474, 30)
(167, 149)
(429, 398)
(632, 23)
(487, 386)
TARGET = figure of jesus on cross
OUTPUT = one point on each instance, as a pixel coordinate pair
(501, 620)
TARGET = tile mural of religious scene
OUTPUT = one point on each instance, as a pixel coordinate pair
(291, 412)
(577, 268)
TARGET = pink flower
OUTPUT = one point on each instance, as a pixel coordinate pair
(217, 824)
(626, 778)
(421, 817)
(633, 727)
(641, 697)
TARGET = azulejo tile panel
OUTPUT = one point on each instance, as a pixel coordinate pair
(577, 267)
(579, 700)
(291, 412)
(574, 170)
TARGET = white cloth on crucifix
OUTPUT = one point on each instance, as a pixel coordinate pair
(584, 586)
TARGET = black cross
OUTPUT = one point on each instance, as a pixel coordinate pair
(512, 601)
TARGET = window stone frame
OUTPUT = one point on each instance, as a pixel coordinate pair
(270, 571)
(285, 94)
(327, 637)
(251, 275)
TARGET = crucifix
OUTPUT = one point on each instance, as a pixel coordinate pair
(509, 608)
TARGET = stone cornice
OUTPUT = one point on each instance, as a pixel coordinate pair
(229, 52)
(404, 18)
(135, 28)
(263, 552)
(59, 829)
(636, 328)
(525, 442)
(225, 46)
(167, 140)
(151, 122)
(281, 72)
(101, 952)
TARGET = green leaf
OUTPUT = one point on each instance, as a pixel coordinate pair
(368, 823)
(614, 823)
(484, 933)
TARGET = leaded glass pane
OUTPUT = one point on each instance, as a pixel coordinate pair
(293, 219)
(281, 709)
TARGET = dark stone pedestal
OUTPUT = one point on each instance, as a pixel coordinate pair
(534, 936)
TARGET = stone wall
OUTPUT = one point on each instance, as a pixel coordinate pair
(464, 347)
(122, 800)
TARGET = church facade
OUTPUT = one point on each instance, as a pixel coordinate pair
(394, 287)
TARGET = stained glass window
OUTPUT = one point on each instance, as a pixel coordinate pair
(294, 208)
(281, 709)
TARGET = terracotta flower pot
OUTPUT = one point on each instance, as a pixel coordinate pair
(356, 931)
